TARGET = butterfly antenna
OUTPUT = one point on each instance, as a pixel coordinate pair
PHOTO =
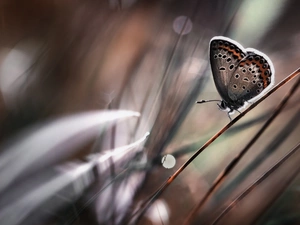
(206, 101)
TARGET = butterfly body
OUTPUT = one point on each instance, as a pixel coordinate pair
(240, 75)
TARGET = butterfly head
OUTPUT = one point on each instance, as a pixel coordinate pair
(223, 106)
(230, 107)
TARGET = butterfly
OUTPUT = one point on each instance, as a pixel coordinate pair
(240, 74)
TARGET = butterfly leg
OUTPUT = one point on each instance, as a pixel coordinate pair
(238, 111)
(228, 114)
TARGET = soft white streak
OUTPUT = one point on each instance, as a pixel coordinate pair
(80, 176)
(21, 156)
(123, 195)
(120, 152)
(17, 211)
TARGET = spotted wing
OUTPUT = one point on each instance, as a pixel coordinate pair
(225, 55)
(252, 77)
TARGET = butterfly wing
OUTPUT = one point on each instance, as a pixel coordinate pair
(225, 55)
(253, 76)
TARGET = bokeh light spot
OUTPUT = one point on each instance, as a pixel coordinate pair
(182, 25)
(168, 161)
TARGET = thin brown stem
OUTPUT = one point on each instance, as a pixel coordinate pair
(165, 185)
(258, 181)
(234, 162)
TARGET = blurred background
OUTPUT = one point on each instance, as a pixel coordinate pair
(74, 75)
